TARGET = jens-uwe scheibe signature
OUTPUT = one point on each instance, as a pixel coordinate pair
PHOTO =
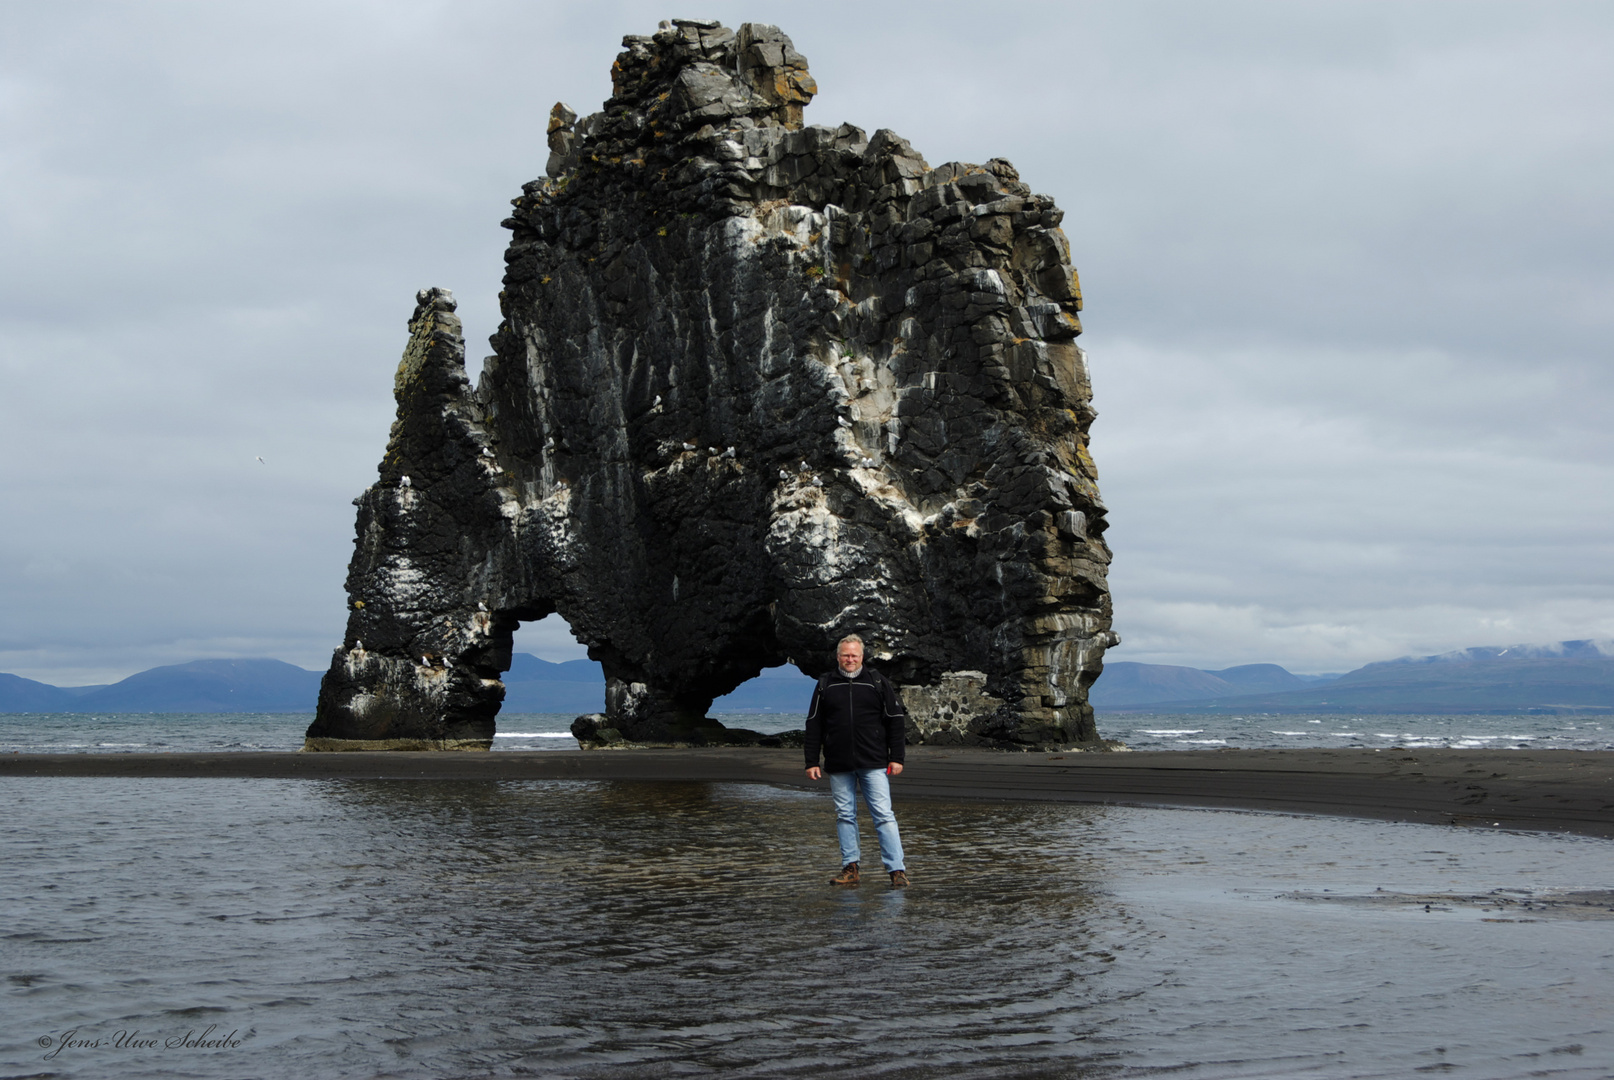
(124, 1039)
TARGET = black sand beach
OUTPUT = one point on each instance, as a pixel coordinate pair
(1548, 790)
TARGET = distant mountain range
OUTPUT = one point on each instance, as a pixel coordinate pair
(536, 685)
(1127, 683)
(235, 686)
(199, 686)
(1565, 676)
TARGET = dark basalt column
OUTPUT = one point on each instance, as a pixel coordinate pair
(757, 386)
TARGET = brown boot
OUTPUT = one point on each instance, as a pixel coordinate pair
(899, 879)
(847, 876)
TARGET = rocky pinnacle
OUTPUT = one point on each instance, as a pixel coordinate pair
(758, 385)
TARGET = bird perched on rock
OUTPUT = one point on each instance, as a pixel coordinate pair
(403, 481)
(843, 421)
(729, 453)
(784, 474)
(480, 606)
(817, 482)
(689, 446)
(656, 404)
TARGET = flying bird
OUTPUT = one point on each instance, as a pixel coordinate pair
(261, 461)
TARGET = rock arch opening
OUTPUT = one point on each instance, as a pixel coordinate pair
(550, 638)
(550, 673)
(781, 692)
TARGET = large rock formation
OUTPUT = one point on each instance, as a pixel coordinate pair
(757, 386)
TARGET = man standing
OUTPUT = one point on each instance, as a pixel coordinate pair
(857, 722)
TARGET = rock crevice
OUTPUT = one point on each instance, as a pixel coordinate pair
(757, 385)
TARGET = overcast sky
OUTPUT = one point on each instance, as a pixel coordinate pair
(1349, 273)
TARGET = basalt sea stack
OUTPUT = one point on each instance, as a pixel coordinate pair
(757, 386)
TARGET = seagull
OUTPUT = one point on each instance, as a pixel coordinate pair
(802, 467)
(403, 481)
(711, 450)
(480, 606)
(689, 446)
(656, 403)
(261, 461)
(867, 463)
(843, 421)
(727, 453)
(784, 475)
(817, 482)
(426, 660)
(358, 646)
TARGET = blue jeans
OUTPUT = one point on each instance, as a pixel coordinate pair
(876, 788)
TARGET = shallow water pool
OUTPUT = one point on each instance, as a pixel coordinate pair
(429, 929)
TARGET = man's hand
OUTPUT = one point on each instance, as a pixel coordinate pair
(894, 768)
(815, 773)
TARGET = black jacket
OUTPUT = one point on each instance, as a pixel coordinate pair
(856, 723)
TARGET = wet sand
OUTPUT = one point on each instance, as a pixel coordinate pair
(1548, 790)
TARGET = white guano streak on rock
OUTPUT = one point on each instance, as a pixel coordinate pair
(801, 518)
(874, 485)
(432, 681)
(402, 585)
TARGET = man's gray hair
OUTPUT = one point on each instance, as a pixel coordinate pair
(851, 639)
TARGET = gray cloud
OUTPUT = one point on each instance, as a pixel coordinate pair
(1347, 269)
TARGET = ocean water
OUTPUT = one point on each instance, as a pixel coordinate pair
(157, 732)
(424, 929)
(1156, 731)
(149, 733)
